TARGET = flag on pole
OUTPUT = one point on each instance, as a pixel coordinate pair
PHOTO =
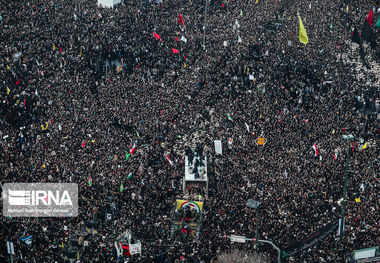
(180, 19)
(246, 125)
(315, 150)
(378, 22)
(168, 159)
(121, 187)
(347, 8)
(155, 35)
(175, 51)
(90, 181)
(17, 82)
(24, 102)
(364, 146)
(370, 17)
(241, 12)
(8, 91)
(54, 48)
(302, 32)
(357, 200)
(257, 1)
(127, 156)
(133, 149)
(335, 155)
(129, 176)
(183, 39)
(176, 38)
(229, 117)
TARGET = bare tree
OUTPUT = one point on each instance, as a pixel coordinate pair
(237, 256)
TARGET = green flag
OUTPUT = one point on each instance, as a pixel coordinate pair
(229, 117)
(121, 187)
(90, 181)
(127, 156)
(129, 176)
(378, 22)
(241, 12)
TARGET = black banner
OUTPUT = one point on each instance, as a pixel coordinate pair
(310, 240)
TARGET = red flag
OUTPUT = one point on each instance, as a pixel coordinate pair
(156, 35)
(176, 38)
(60, 49)
(133, 149)
(25, 103)
(168, 159)
(184, 57)
(223, 5)
(138, 66)
(83, 144)
(180, 19)
(369, 17)
(175, 51)
(17, 82)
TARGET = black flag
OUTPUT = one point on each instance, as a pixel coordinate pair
(368, 34)
(356, 36)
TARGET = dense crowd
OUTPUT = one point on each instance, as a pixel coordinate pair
(81, 84)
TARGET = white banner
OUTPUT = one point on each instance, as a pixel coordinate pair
(218, 147)
(135, 248)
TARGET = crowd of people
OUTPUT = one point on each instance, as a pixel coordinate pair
(81, 84)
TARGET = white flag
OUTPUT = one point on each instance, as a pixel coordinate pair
(183, 39)
(315, 150)
(246, 125)
(239, 39)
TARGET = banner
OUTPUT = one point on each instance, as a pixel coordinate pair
(135, 248)
(310, 240)
(193, 204)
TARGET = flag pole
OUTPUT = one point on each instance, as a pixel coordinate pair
(204, 27)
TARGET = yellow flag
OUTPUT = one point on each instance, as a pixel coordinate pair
(8, 67)
(62, 244)
(347, 8)
(54, 47)
(357, 200)
(44, 166)
(78, 255)
(80, 53)
(257, 1)
(8, 91)
(92, 141)
(45, 128)
(333, 131)
(302, 32)
(184, 65)
(57, 169)
(364, 146)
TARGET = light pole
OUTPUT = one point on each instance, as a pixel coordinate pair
(255, 205)
(349, 138)
(204, 27)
